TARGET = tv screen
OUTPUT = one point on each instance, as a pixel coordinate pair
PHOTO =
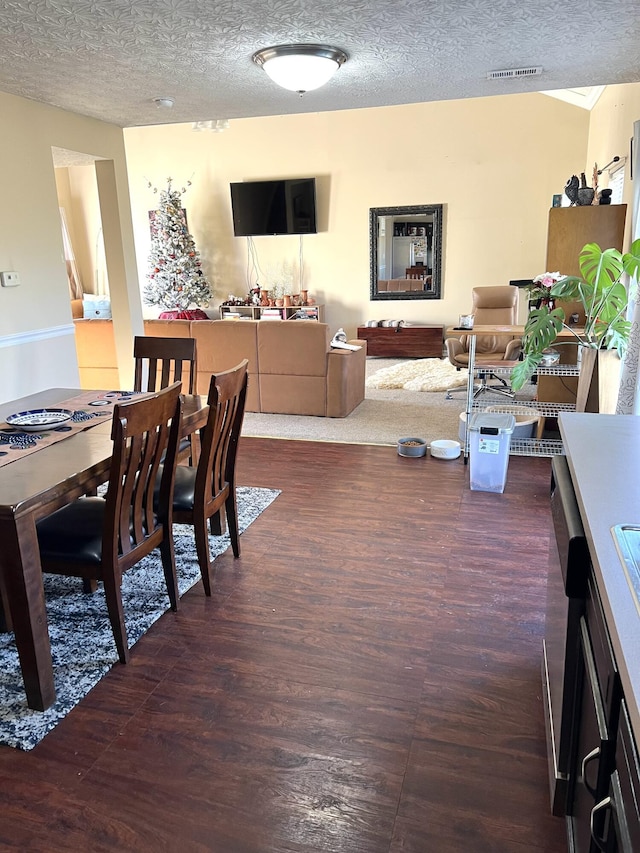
(274, 207)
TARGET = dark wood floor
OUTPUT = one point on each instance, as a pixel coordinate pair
(366, 679)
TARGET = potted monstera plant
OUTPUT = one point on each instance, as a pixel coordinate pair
(604, 296)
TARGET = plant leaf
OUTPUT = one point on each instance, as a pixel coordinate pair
(631, 260)
(524, 370)
(541, 329)
(600, 268)
(568, 288)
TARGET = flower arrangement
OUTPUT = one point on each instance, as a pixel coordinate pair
(542, 284)
(603, 293)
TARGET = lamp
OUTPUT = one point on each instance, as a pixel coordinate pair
(300, 67)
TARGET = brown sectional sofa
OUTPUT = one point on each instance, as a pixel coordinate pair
(292, 368)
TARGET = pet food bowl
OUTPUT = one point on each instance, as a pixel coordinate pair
(412, 447)
(445, 448)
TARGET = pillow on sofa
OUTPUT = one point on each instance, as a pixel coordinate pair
(96, 307)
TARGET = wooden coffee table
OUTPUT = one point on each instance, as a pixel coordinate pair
(403, 341)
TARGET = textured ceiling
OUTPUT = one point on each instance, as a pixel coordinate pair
(110, 59)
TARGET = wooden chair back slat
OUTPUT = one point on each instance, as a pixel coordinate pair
(161, 361)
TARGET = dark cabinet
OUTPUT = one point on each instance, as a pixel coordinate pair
(594, 756)
(616, 818)
(568, 572)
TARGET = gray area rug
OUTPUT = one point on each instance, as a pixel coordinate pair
(82, 645)
(384, 416)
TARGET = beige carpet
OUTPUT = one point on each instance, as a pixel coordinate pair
(383, 417)
(421, 374)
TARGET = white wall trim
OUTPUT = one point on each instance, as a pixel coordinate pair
(37, 335)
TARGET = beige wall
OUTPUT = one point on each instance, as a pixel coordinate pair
(493, 162)
(610, 132)
(78, 195)
(36, 333)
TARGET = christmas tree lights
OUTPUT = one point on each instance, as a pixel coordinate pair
(175, 279)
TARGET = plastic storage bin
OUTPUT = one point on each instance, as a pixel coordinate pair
(489, 440)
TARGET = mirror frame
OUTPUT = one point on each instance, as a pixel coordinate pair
(436, 210)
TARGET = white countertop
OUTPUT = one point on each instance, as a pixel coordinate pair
(603, 452)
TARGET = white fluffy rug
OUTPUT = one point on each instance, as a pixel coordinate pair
(422, 374)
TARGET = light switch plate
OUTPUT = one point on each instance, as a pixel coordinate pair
(9, 279)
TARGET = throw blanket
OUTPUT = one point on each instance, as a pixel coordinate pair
(422, 374)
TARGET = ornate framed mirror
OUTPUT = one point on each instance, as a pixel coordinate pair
(405, 246)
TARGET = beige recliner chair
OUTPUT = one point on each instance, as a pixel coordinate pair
(492, 306)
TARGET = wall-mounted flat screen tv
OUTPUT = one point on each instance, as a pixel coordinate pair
(274, 207)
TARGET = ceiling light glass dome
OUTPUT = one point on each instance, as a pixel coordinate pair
(300, 67)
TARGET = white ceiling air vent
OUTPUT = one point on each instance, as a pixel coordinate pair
(533, 71)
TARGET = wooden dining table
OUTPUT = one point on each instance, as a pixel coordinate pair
(35, 486)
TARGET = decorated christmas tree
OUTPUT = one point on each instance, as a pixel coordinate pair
(175, 277)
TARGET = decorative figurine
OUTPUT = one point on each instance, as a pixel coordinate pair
(571, 189)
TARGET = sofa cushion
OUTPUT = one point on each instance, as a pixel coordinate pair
(293, 395)
(167, 328)
(346, 374)
(221, 345)
(293, 347)
(96, 351)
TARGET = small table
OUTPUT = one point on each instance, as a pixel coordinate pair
(33, 487)
(403, 341)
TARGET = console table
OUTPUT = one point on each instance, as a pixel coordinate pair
(403, 341)
(260, 312)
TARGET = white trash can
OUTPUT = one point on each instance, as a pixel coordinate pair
(489, 440)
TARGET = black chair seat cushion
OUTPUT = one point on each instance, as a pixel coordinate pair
(74, 532)
(183, 490)
(183, 445)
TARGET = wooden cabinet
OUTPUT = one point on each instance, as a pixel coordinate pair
(596, 730)
(403, 341)
(620, 811)
(569, 229)
(592, 753)
(567, 586)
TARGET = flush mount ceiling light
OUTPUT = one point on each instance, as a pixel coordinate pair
(300, 67)
(163, 103)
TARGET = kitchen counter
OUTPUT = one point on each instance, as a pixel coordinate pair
(603, 452)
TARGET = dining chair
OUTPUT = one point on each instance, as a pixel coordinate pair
(201, 493)
(415, 272)
(161, 361)
(100, 538)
